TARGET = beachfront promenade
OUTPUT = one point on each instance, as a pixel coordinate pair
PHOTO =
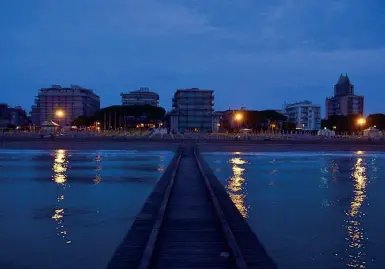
(146, 135)
(189, 221)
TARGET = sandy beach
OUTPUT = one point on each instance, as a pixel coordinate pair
(146, 144)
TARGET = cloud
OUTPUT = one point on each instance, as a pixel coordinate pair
(151, 17)
(224, 44)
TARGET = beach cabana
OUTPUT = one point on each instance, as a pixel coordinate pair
(50, 127)
(326, 133)
(372, 132)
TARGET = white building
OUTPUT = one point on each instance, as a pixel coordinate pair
(304, 115)
(143, 96)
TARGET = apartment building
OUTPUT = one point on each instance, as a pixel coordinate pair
(143, 96)
(63, 104)
(305, 115)
(192, 111)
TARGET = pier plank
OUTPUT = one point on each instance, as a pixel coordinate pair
(189, 221)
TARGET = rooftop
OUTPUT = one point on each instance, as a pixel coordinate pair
(344, 80)
(193, 90)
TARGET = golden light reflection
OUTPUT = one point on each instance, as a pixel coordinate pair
(356, 234)
(235, 186)
(237, 161)
(60, 167)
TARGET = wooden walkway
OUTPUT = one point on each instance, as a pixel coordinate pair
(189, 221)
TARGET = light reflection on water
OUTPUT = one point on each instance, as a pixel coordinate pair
(70, 200)
(310, 210)
(60, 166)
(235, 186)
(356, 233)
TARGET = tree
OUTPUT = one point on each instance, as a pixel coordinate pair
(289, 126)
(129, 116)
(252, 119)
(377, 120)
(83, 121)
(342, 123)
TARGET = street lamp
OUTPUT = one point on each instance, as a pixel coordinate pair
(238, 117)
(59, 114)
(361, 122)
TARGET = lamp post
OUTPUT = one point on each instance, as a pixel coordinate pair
(361, 122)
(59, 114)
(238, 117)
(273, 127)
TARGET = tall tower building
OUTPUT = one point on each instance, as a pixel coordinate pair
(344, 102)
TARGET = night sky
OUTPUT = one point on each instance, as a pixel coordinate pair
(252, 53)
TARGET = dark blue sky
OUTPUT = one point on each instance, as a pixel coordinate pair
(257, 54)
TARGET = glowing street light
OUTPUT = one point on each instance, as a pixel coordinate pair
(60, 113)
(238, 116)
(361, 121)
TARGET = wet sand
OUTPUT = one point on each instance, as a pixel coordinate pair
(203, 145)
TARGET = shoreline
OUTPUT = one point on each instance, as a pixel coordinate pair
(202, 145)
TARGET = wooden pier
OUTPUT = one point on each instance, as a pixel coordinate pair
(189, 221)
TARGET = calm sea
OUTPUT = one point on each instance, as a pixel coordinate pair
(71, 209)
(311, 210)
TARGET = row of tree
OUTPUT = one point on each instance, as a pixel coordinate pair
(352, 123)
(257, 120)
(114, 117)
(128, 116)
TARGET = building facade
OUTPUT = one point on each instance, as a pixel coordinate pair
(216, 121)
(12, 116)
(304, 115)
(71, 102)
(344, 102)
(192, 111)
(143, 96)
